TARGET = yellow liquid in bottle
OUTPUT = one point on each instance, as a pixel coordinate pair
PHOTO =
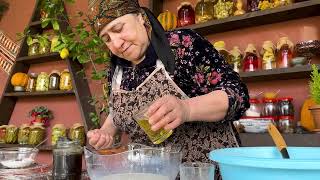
(156, 137)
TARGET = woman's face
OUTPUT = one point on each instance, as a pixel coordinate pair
(126, 37)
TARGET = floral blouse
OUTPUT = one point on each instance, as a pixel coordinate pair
(199, 69)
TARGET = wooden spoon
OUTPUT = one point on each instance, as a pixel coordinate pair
(278, 140)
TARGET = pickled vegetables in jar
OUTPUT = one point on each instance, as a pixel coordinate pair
(11, 134)
(204, 11)
(65, 80)
(23, 134)
(223, 9)
(37, 134)
(58, 131)
(42, 82)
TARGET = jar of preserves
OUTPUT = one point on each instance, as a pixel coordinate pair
(284, 52)
(33, 47)
(221, 47)
(65, 80)
(58, 130)
(32, 82)
(37, 134)
(223, 9)
(3, 130)
(268, 56)
(286, 107)
(23, 134)
(269, 108)
(286, 124)
(236, 58)
(77, 133)
(186, 14)
(204, 11)
(253, 5)
(42, 82)
(54, 80)
(11, 134)
(239, 8)
(255, 108)
(251, 60)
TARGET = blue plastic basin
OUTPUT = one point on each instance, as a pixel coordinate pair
(266, 163)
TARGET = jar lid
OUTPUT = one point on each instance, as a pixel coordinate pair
(254, 101)
(285, 99)
(77, 125)
(55, 71)
(286, 117)
(37, 125)
(66, 70)
(269, 100)
(4, 126)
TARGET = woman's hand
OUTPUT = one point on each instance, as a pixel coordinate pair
(168, 112)
(99, 139)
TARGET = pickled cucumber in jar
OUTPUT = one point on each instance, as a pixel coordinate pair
(23, 134)
(37, 134)
(65, 80)
(58, 131)
(204, 11)
(11, 134)
(77, 133)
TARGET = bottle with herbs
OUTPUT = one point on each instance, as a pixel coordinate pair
(204, 11)
(23, 135)
(11, 134)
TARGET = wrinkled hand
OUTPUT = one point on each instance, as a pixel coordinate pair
(99, 139)
(168, 112)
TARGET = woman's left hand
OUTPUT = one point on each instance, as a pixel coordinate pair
(168, 112)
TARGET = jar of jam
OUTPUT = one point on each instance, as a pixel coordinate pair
(269, 108)
(54, 80)
(286, 124)
(284, 52)
(23, 134)
(37, 134)
(268, 56)
(58, 131)
(32, 82)
(65, 80)
(251, 60)
(255, 108)
(11, 134)
(286, 107)
(223, 9)
(236, 58)
(3, 130)
(186, 14)
(204, 11)
(253, 5)
(42, 82)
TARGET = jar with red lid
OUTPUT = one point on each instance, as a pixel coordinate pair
(286, 124)
(186, 14)
(285, 106)
(269, 108)
(251, 60)
(255, 108)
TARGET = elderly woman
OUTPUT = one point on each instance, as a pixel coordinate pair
(191, 88)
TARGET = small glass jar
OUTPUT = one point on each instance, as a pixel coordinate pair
(33, 49)
(286, 107)
(44, 49)
(58, 130)
(255, 108)
(11, 134)
(204, 11)
(54, 80)
(223, 9)
(236, 58)
(3, 130)
(65, 80)
(42, 82)
(186, 14)
(32, 82)
(77, 133)
(269, 108)
(23, 135)
(253, 5)
(37, 134)
(251, 60)
(284, 52)
(268, 56)
(286, 124)
(221, 47)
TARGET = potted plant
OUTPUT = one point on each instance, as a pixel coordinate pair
(314, 85)
(41, 114)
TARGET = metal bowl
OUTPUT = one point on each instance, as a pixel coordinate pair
(20, 157)
(308, 48)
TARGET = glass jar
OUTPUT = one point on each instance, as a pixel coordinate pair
(3, 130)
(251, 60)
(23, 135)
(33, 49)
(253, 5)
(32, 82)
(204, 11)
(239, 8)
(77, 133)
(279, 3)
(221, 47)
(223, 9)
(54, 80)
(11, 134)
(269, 108)
(42, 82)
(236, 58)
(268, 56)
(284, 52)
(65, 80)
(44, 49)
(255, 108)
(286, 124)
(58, 131)
(37, 134)
(67, 160)
(286, 107)
(186, 14)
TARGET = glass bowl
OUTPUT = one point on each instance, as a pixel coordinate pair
(20, 157)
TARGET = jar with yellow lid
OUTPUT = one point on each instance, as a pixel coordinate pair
(23, 134)
(11, 134)
(236, 58)
(223, 9)
(42, 82)
(37, 134)
(284, 52)
(204, 11)
(58, 130)
(65, 80)
(268, 55)
(77, 133)
(3, 130)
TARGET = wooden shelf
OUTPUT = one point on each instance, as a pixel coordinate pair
(295, 11)
(45, 93)
(42, 58)
(277, 74)
(264, 139)
(41, 148)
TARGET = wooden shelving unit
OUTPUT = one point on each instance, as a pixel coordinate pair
(43, 58)
(45, 93)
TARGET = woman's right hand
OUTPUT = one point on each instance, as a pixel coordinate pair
(99, 139)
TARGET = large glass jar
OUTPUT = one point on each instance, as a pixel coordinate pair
(269, 108)
(65, 80)
(32, 82)
(54, 80)
(204, 11)
(284, 52)
(223, 9)
(3, 130)
(42, 82)
(286, 107)
(253, 5)
(58, 130)
(11, 134)
(268, 56)
(251, 60)
(77, 133)
(37, 134)
(186, 14)
(236, 58)
(255, 108)
(33, 49)
(23, 135)
(286, 124)
(221, 47)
